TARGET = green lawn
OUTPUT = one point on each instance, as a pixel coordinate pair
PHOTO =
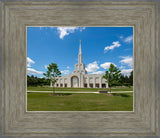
(79, 102)
(45, 88)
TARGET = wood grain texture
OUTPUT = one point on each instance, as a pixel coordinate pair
(142, 122)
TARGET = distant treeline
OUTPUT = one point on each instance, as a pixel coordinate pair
(125, 80)
(35, 81)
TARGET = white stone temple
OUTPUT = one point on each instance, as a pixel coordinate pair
(80, 79)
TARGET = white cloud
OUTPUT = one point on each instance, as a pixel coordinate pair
(29, 62)
(98, 72)
(33, 71)
(65, 72)
(81, 29)
(122, 67)
(68, 67)
(128, 39)
(126, 71)
(45, 66)
(106, 65)
(127, 60)
(111, 47)
(92, 67)
(63, 31)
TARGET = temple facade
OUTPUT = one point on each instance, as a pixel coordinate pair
(79, 78)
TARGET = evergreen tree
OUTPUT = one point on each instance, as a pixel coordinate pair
(131, 79)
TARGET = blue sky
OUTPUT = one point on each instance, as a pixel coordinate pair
(100, 47)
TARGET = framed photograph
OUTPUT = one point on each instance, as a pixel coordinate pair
(80, 69)
(68, 74)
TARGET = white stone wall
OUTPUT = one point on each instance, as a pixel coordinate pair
(87, 80)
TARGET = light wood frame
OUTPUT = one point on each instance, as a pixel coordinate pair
(142, 122)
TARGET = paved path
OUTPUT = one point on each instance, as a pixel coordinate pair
(79, 92)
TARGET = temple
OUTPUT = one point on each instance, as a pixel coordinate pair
(79, 78)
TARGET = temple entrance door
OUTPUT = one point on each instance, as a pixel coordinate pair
(74, 81)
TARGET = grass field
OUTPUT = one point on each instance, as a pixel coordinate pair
(79, 102)
(45, 88)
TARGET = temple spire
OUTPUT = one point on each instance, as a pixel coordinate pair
(80, 53)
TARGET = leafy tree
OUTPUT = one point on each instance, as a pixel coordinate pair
(52, 74)
(112, 75)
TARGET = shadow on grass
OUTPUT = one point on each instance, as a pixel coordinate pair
(65, 94)
(60, 94)
(121, 94)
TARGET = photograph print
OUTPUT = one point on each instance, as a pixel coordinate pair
(80, 68)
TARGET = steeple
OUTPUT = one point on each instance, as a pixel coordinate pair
(80, 53)
(80, 66)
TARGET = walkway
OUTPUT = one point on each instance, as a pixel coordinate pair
(79, 92)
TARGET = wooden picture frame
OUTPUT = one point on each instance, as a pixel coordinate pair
(142, 122)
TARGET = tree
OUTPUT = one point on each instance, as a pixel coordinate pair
(52, 74)
(122, 79)
(34, 81)
(131, 78)
(126, 80)
(112, 75)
